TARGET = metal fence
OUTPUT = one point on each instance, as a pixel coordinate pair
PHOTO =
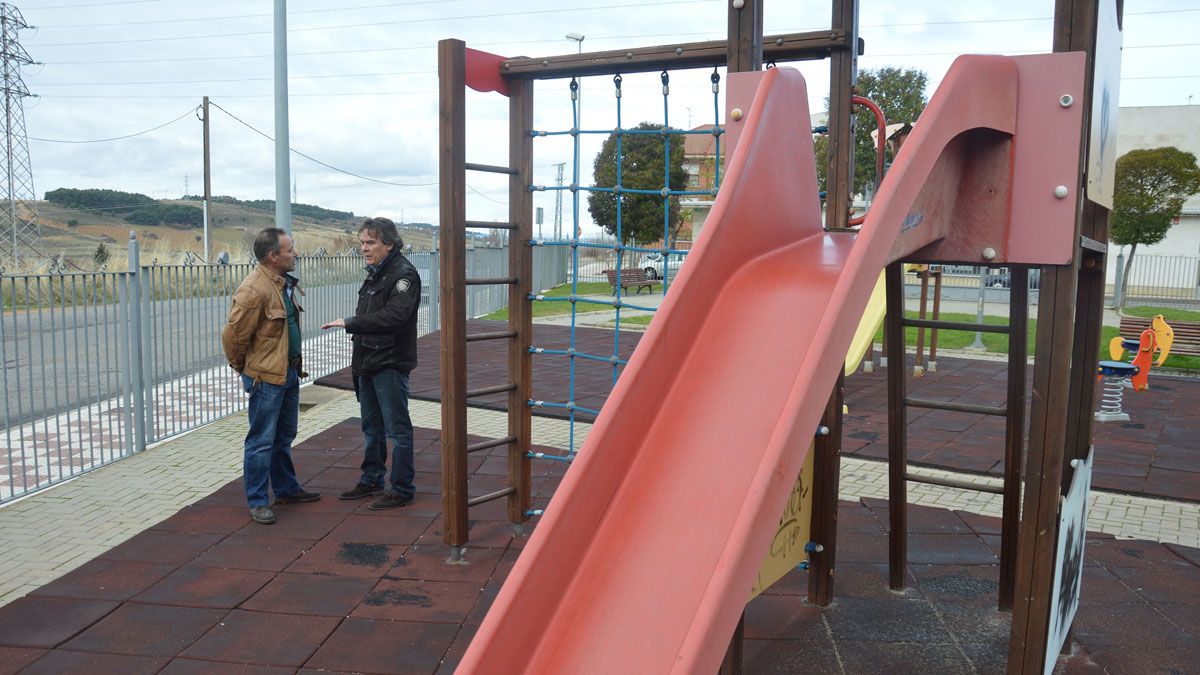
(1159, 280)
(97, 365)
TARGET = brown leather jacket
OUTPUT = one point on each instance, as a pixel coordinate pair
(256, 338)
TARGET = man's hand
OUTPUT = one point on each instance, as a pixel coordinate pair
(336, 323)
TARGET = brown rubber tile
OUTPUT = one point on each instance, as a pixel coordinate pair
(267, 554)
(784, 657)
(263, 638)
(107, 580)
(377, 646)
(416, 600)
(429, 563)
(207, 519)
(163, 546)
(290, 524)
(13, 659)
(310, 594)
(349, 558)
(398, 531)
(196, 586)
(195, 667)
(146, 630)
(62, 661)
(37, 621)
(882, 657)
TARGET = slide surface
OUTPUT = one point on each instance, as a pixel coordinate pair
(645, 556)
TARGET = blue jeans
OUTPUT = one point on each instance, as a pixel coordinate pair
(383, 403)
(274, 414)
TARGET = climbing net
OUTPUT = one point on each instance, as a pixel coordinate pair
(666, 190)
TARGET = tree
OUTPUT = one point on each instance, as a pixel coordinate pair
(900, 94)
(100, 256)
(1151, 186)
(641, 169)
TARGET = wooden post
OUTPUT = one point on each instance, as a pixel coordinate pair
(1014, 430)
(520, 310)
(937, 314)
(453, 294)
(732, 663)
(745, 49)
(826, 474)
(843, 76)
(919, 359)
(897, 427)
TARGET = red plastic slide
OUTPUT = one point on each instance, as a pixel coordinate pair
(646, 554)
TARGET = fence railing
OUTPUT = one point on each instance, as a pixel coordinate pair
(1158, 280)
(94, 366)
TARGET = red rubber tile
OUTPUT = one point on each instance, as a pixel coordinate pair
(146, 630)
(294, 525)
(414, 600)
(207, 519)
(163, 546)
(310, 594)
(13, 659)
(398, 531)
(376, 646)
(429, 563)
(254, 553)
(457, 649)
(107, 580)
(263, 638)
(484, 534)
(195, 667)
(34, 621)
(196, 586)
(62, 661)
(783, 657)
(348, 558)
(334, 480)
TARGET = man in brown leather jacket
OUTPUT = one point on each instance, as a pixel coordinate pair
(262, 342)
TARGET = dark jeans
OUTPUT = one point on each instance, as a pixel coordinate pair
(274, 413)
(383, 404)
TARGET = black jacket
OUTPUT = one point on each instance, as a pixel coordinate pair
(384, 327)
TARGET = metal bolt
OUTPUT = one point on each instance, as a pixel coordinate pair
(629, 55)
(778, 42)
(735, 114)
(545, 62)
(679, 51)
(989, 253)
(822, 430)
(1066, 100)
(738, 4)
(1061, 191)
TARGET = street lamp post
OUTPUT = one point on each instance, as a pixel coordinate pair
(577, 38)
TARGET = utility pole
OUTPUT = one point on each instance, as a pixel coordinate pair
(283, 205)
(19, 233)
(207, 184)
(293, 189)
(558, 201)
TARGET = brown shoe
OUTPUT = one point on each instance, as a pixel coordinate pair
(359, 491)
(390, 500)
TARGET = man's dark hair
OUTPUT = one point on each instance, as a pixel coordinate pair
(384, 229)
(266, 242)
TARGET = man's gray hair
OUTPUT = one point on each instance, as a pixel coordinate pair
(267, 242)
(384, 229)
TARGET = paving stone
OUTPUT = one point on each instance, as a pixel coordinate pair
(36, 621)
(197, 586)
(263, 638)
(310, 594)
(146, 630)
(378, 646)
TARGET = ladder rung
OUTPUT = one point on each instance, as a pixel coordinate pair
(498, 335)
(490, 168)
(1092, 245)
(489, 225)
(493, 443)
(997, 410)
(491, 496)
(956, 325)
(498, 281)
(500, 388)
(954, 483)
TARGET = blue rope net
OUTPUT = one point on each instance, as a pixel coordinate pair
(667, 191)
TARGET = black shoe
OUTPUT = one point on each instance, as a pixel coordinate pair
(262, 515)
(390, 500)
(359, 491)
(300, 496)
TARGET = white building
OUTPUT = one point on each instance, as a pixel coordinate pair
(1156, 127)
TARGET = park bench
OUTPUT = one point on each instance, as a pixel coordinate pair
(1187, 333)
(635, 277)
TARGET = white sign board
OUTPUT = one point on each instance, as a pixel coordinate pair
(1106, 94)
(1068, 566)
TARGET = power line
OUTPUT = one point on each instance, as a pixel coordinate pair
(94, 4)
(116, 138)
(238, 79)
(314, 159)
(240, 16)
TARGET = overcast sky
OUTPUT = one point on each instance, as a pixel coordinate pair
(363, 83)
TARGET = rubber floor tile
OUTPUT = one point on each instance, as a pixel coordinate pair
(147, 630)
(883, 657)
(783, 617)
(196, 667)
(457, 650)
(263, 638)
(107, 580)
(310, 594)
(12, 659)
(781, 657)
(163, 546)
(399, 531)
(36, 621)
(348, 558)
(885, 620)
(62, 661)
(293, 525)
(429, 562)
(418, 600)
(377, 646)
(207, 519)
(196, 586)
(267, 554)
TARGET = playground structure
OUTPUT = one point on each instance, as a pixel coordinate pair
(1115, 375)
(644, 557)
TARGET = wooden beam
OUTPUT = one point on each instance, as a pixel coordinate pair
(843, 76)
(1014, 431)
(779, 48)
(452, 247)
(520, 309)
(744, 49)
(826, 475)
(897, 426)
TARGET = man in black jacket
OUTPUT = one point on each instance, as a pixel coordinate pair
(384, 330)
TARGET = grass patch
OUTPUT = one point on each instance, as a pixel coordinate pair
(544, 308)
(1169, 313)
